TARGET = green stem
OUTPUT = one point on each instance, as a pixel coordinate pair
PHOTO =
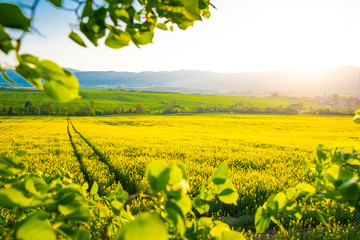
(278, 223)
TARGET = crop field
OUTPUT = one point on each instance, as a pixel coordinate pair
(265, 152)
(151, 100)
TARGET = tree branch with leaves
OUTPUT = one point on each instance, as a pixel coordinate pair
(119, 22)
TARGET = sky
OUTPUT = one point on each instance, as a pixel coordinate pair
(240, 36)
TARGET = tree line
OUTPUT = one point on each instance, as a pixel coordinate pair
(48, 108)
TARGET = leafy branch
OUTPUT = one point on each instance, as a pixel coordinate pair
(120, 22)
(336, 173)
(52, 207)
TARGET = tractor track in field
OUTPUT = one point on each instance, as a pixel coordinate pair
(100, 156)
(119, 177)
(78, 155)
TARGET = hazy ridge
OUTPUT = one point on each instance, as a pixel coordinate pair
(342, 79)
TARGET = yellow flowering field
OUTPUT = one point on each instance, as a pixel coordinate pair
(265, 152)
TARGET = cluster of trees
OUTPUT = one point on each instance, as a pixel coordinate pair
(240, 107)
(31, 109)
(138, 109)
(49, 109)
(243, 107)
(330, 111)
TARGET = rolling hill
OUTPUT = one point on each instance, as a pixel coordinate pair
(156, 101)
(342, 79)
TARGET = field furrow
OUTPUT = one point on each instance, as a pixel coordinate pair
(93, 169)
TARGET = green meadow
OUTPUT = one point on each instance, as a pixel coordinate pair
(151, 100)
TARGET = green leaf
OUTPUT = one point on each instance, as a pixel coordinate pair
(118, 40)
(56, 3)
(320, 217)
(63, 173)
(181, 200)
(76, 38)
(175, 174)
(201, 206)
(291, 194)
(35, 227)
(120, 194)
(232, 235)
(262, 220)
(60, 84)
(66, 209)
(73, 233)
(62, 89)
(353, 162)
(356, 119)
(95, 28)
(6, 77)
(94, 188)
(29, 59)
(184, 170)
(80, 214)
(204, 195)
(30, 75)
(19, 153)
(11, 197)
(343, 143)
(162, 26)
(117, 205)
(271, 206)
(192, 14)
(305, 188)
(221, 174)
(122, 15)
(218, 229)
(30, 186)
(10, 166)
(11, 16)
(145, 227)
(47, 68)
(176, 218)
(321, 153)
(226, 192)
(203, 4)
(229, 196)
(294, 211)
(350, 191)
(205, 221)
(142, 37)
(69, 200)
(337, 175)
(158, 174)
(281, 200)
(5, 41)
(88, 10)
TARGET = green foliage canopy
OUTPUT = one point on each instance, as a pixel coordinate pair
(336, 173)
(119, 22)
(52, 207)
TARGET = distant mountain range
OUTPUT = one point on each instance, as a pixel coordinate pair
(342, 79)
